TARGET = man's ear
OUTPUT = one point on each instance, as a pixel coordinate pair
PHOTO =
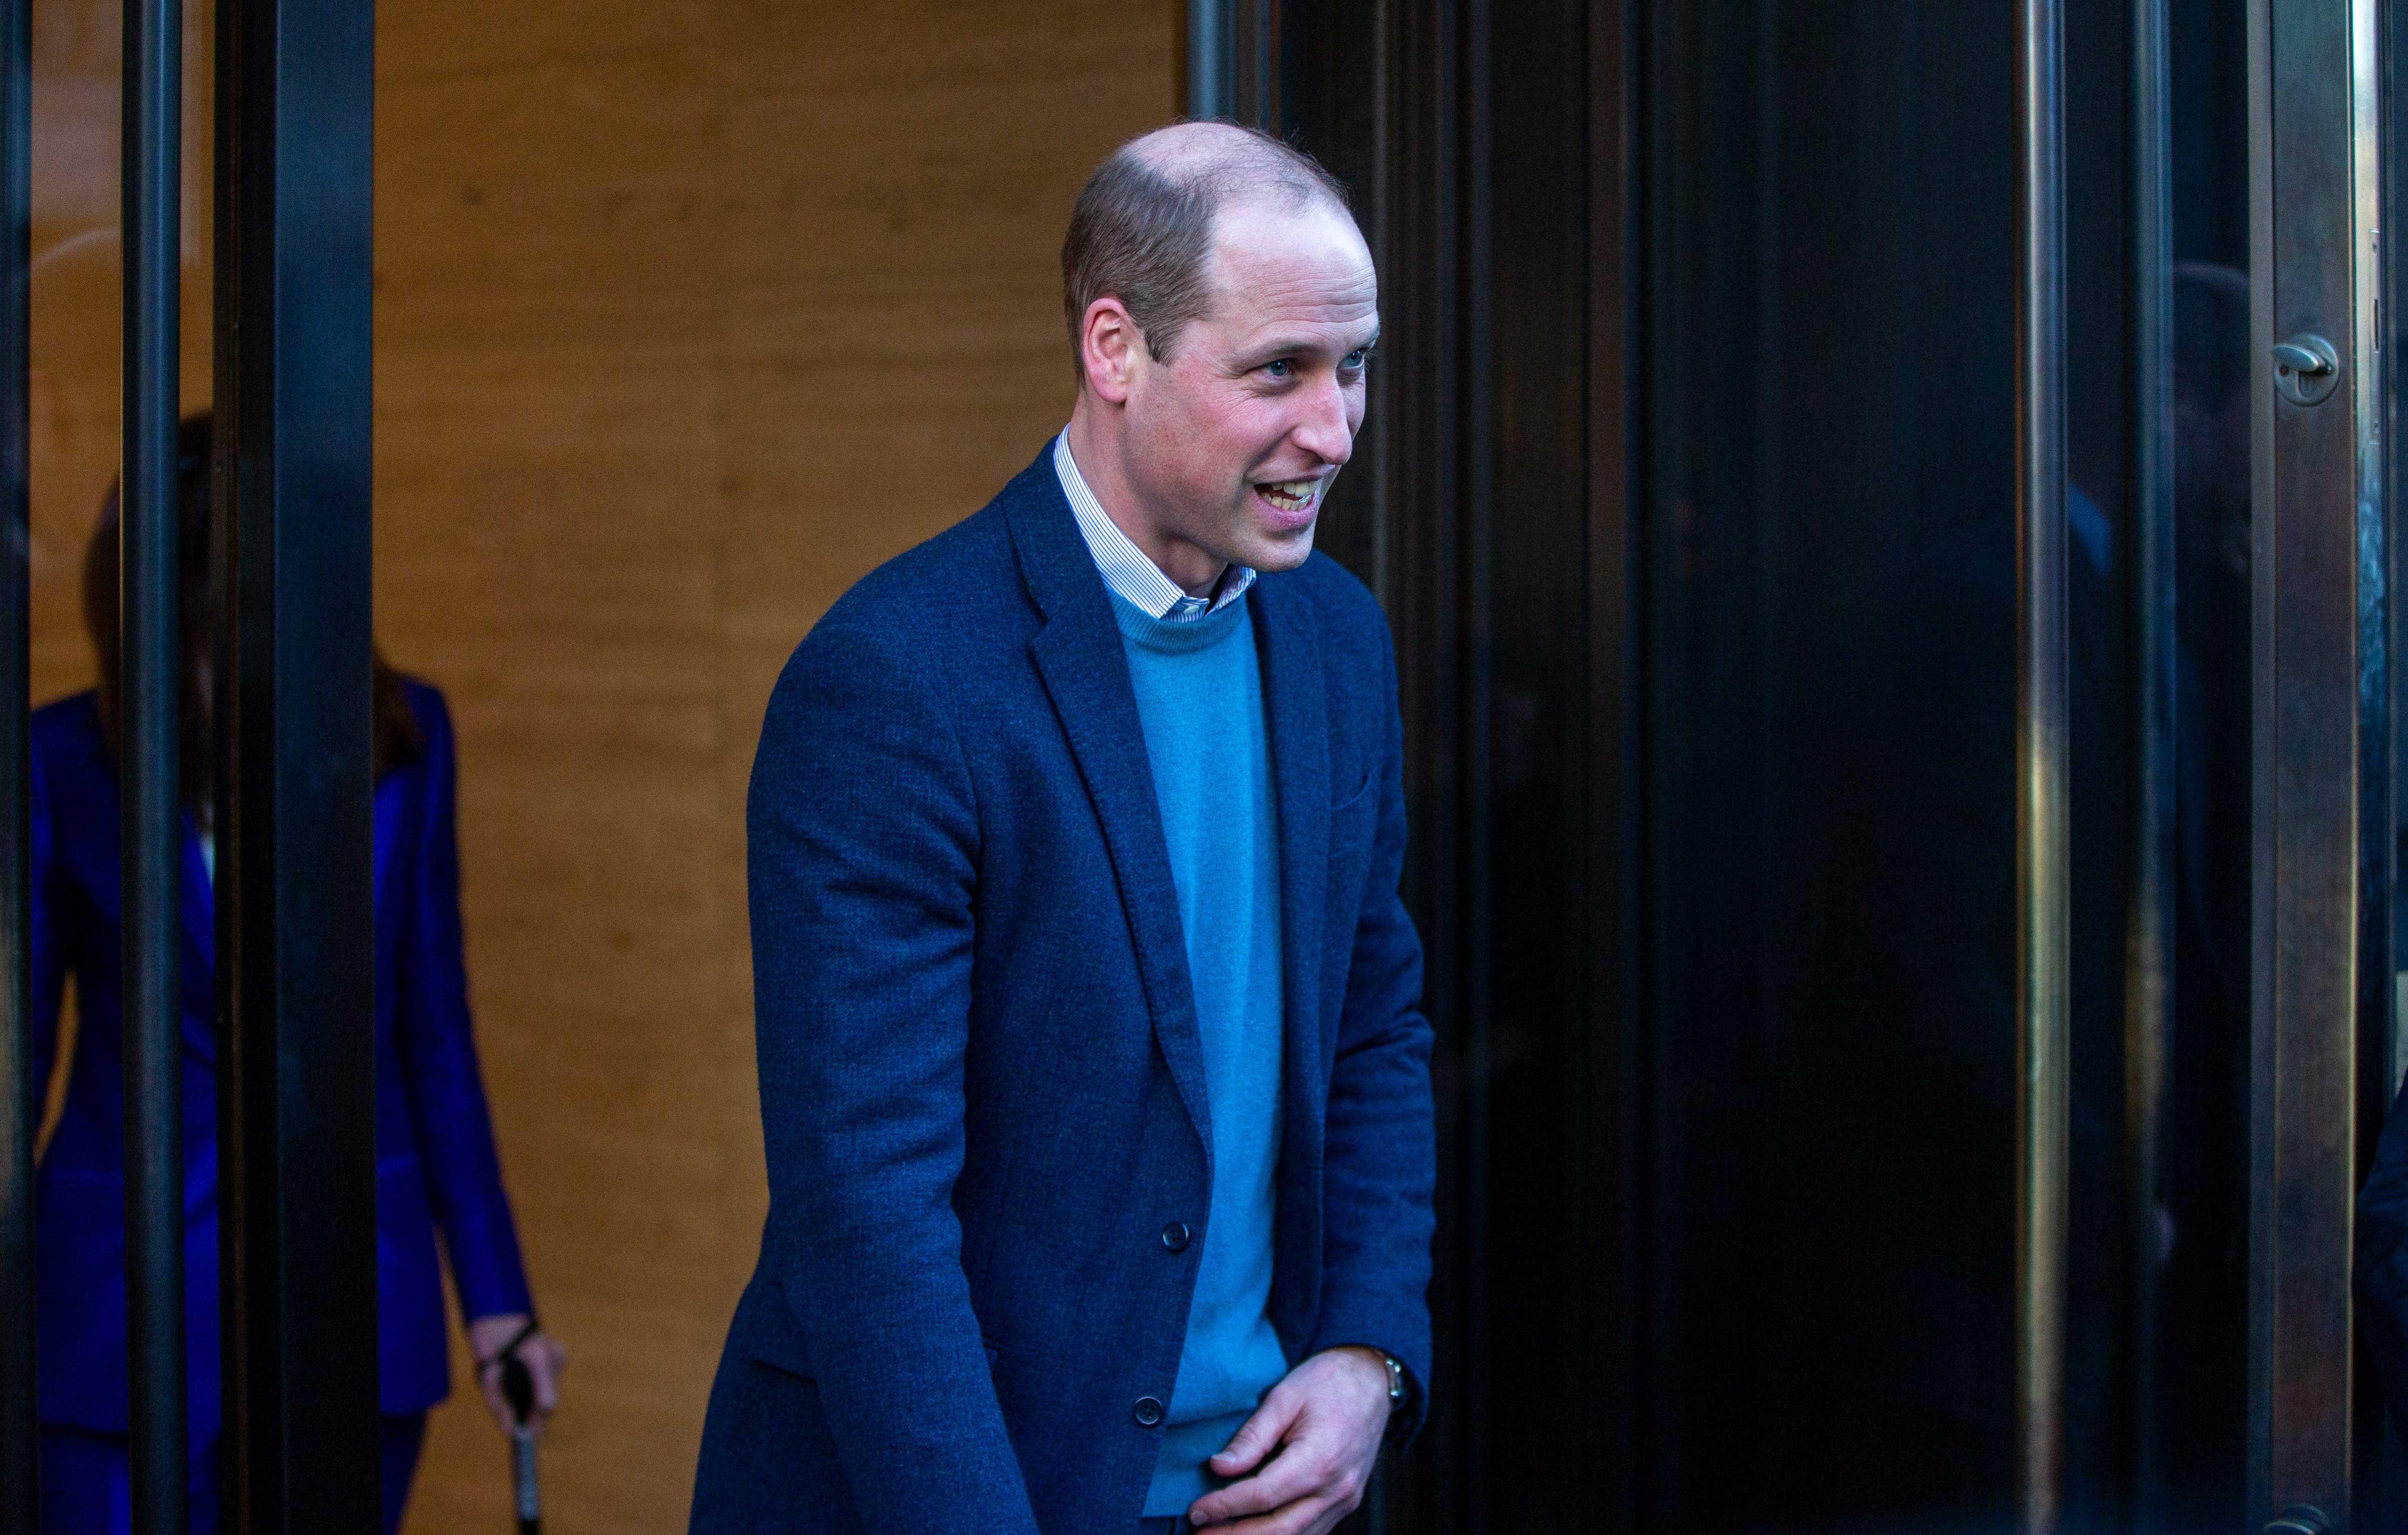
(1110, 349)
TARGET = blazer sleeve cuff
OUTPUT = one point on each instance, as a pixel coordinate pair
(486, 1268)
(1400, 1329)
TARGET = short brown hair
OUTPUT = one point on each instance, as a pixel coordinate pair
(1140, 229)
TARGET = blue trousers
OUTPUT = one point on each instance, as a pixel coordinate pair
(87, 1483)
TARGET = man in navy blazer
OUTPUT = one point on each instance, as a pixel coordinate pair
(1096, 1091)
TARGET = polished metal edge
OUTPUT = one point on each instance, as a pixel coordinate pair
(2043, 926)
(1212, 38)
(2314, 78)
(149, 746)
(2149, 928)
(20, 1095)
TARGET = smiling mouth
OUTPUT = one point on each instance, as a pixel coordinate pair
(1290, 495)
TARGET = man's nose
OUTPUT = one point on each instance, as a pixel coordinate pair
(1325, 431)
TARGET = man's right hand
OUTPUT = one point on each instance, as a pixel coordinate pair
(1311, 1446)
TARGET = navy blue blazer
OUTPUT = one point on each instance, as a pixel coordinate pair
(435, 1143)
(981, 1080)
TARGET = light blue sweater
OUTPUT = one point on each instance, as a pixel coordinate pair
(1199, 697)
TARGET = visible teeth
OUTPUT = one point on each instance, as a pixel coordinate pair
(1296, 491)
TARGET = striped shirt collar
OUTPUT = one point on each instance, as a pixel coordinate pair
(1133, 578)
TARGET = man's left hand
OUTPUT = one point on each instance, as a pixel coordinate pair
(1307, 1453)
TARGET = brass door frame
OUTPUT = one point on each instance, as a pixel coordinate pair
(2043, 904)
(2318, 540)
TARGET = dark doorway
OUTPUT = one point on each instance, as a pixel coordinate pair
(1690, 490)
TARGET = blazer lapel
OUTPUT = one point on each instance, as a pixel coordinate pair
(1078, 654)
(1296, 702)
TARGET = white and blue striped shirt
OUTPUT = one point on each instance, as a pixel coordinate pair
(1133, 578)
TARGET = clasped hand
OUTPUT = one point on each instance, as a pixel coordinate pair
(1305, 1457)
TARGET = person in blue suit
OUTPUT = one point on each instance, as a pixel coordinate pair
(435, 1161)
(1094, 1086)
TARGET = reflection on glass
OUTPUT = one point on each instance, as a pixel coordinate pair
(2201, 1220)
(1831, 735)
(436, 1168)
(76, 292)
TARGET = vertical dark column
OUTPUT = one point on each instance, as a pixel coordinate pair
(1471, 564)
(1489, 509)
(1378, 93)
(149, 743)
(1417, 444)
(2377, 959)
(18, 1093)
(1211, 58)
(2381, 1457)
(2149, 918)
(1254, 53)
(295, 926)
(2043, 926)
(1610, 1139)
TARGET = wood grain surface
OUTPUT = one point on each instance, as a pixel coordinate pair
(689, 312)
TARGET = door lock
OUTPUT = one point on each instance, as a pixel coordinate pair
(2299, 1519)
(2306, 369)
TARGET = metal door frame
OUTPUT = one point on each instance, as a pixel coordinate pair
(19, 1105)
(296, 938)
(2320, 942)
(2320, 970)
(293, 807)
(2044, 814)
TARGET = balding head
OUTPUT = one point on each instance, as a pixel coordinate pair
(1223, 310)
(1142, 231)
(1235, 159)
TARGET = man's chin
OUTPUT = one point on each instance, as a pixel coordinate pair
(1282, 550)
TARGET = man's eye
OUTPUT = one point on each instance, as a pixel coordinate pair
(1283, 369)
(1356, 360)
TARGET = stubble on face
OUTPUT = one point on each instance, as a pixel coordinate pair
(1236, 435)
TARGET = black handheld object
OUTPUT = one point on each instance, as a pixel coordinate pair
(518, 1388)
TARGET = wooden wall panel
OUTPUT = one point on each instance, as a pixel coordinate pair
(689, 313)
(547, 550)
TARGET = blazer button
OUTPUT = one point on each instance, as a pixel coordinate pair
(1148, 1411)
(1174, 1236)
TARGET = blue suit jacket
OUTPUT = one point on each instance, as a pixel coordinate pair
(981, 1080)
(434, 1143)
